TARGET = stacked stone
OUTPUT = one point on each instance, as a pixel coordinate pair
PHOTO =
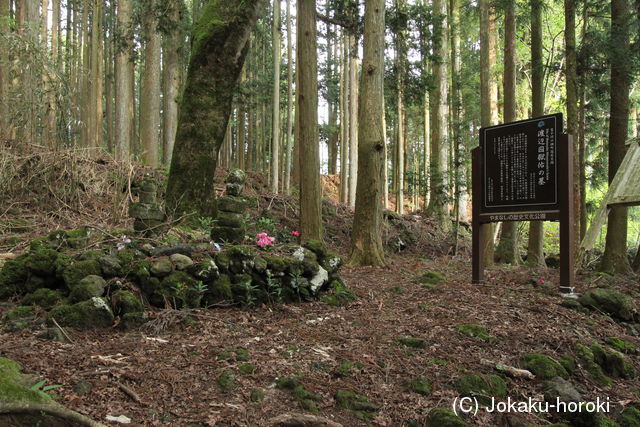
(148, 214)
(230, 224)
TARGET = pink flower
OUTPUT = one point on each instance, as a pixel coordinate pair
(295, 233)
(541, 280)
(493, 278)
(263, 239)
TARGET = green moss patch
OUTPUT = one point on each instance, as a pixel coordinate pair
(93, 313)
(543, 366)
(75, 272)
(126, 302)
(14, 388)
(419, 385)
(20, 312)
(594, 370)
(431, 278)
(247, 368)
(348, 368)
(358, 403)
(623, 346)
(305, 398)
(43, 297)
(442, 417)
(474, 331)
(411, 342)
(612, 362)
(340, 295)
(481, 386)
(609, 301)
(226, 381)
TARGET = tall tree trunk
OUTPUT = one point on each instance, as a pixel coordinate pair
(507, 250)
(5, 11)
(96, 78)
(366, 240)
(124, 83)
(150, 90)
(535, 252)
(615, 259)
(571, 77)
(307, 123)
(487, 112)
(172, 54)
(401, 60)
(290, 101)
(275, 121)
(582, 133)
(219, 47)
(439, 100)
(353, 120)
(344, 123)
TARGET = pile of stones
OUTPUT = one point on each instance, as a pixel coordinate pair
(148, 215)
(230, 224)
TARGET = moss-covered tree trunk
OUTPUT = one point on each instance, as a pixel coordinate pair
(219, 47)
(366, 239)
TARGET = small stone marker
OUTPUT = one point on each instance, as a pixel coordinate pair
(148, 214)
(230, 224)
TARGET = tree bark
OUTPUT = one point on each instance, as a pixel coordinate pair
(4, 72)
(290, 101)
(507, 250)
(307, 123)
(615, 259)
(150, 90)
(344, 123)
(124, 83)
(219, 47)
(275, 121)
(535, 251)
(172, 54)
(366, 240)
(401, 60)
(439, 100)
(353, 119)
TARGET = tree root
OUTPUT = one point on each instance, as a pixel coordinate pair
(54, 411)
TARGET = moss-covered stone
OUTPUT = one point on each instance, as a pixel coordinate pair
(126, 302)
(317, 247)
(172, 284)
(89, 287)
(305, 398)
(257, 394)
(13, 275)
(181, 262)
(623, 346)
(568, 363)
(226, 381)
(474, 331)
(276, 264)
(431, 277)
(481, 386)
(411, 342)
(228, 234)
(219, 291)
(612, 362)
(111, 266)
(15, 388)
(543, 366)
(161, 267)
(341, 294)
(42, 262)
(609, 301)
(93, 313)
(82, 387)
(348, 368)
(356, 402)
(587, 360)
(20, 312)
(419, 385)
(630, 417)
(235, 204)
(331, 262)
(230, 219)
(247, 368)
(43, 297)
(131, 321)
(75, 272)
(442, 417)
(205, 270)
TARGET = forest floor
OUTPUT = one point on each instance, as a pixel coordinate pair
(187, 371)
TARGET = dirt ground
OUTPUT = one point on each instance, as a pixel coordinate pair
(171, 378)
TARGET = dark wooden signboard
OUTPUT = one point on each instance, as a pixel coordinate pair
(522, 171)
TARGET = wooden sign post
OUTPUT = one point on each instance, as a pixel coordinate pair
(523, 171)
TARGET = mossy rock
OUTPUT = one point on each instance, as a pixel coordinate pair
(481, 386)
(594, 370)
(171, 285)
(443, 417)
(568, 363)
(219, 291)
(431, 277)
(612, 362)
(43, 297)
(42, 262)
(230, 219)
(306, 399)
(126, 302)
(356, 402)
(543, 366)
(257, 395)
(78, 270)
(276, 264)
(89, 287)
(226, 381)
(20, 312)
(331, 262)
(348, 368)
(341, 294)
(629, 417)
(419, 385)
(247, 368)
(111, 266)
(411, 342)
(573, 304)
(235, 204)
(161, 267)
(129, 256)
(131, 321)
(317, 247)
(93, 313)
(15, 387)
(623, 346)
(206, 270)
(609, 301)
(474, 331)
(72, 239)
(13, 275)
(228, 234)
